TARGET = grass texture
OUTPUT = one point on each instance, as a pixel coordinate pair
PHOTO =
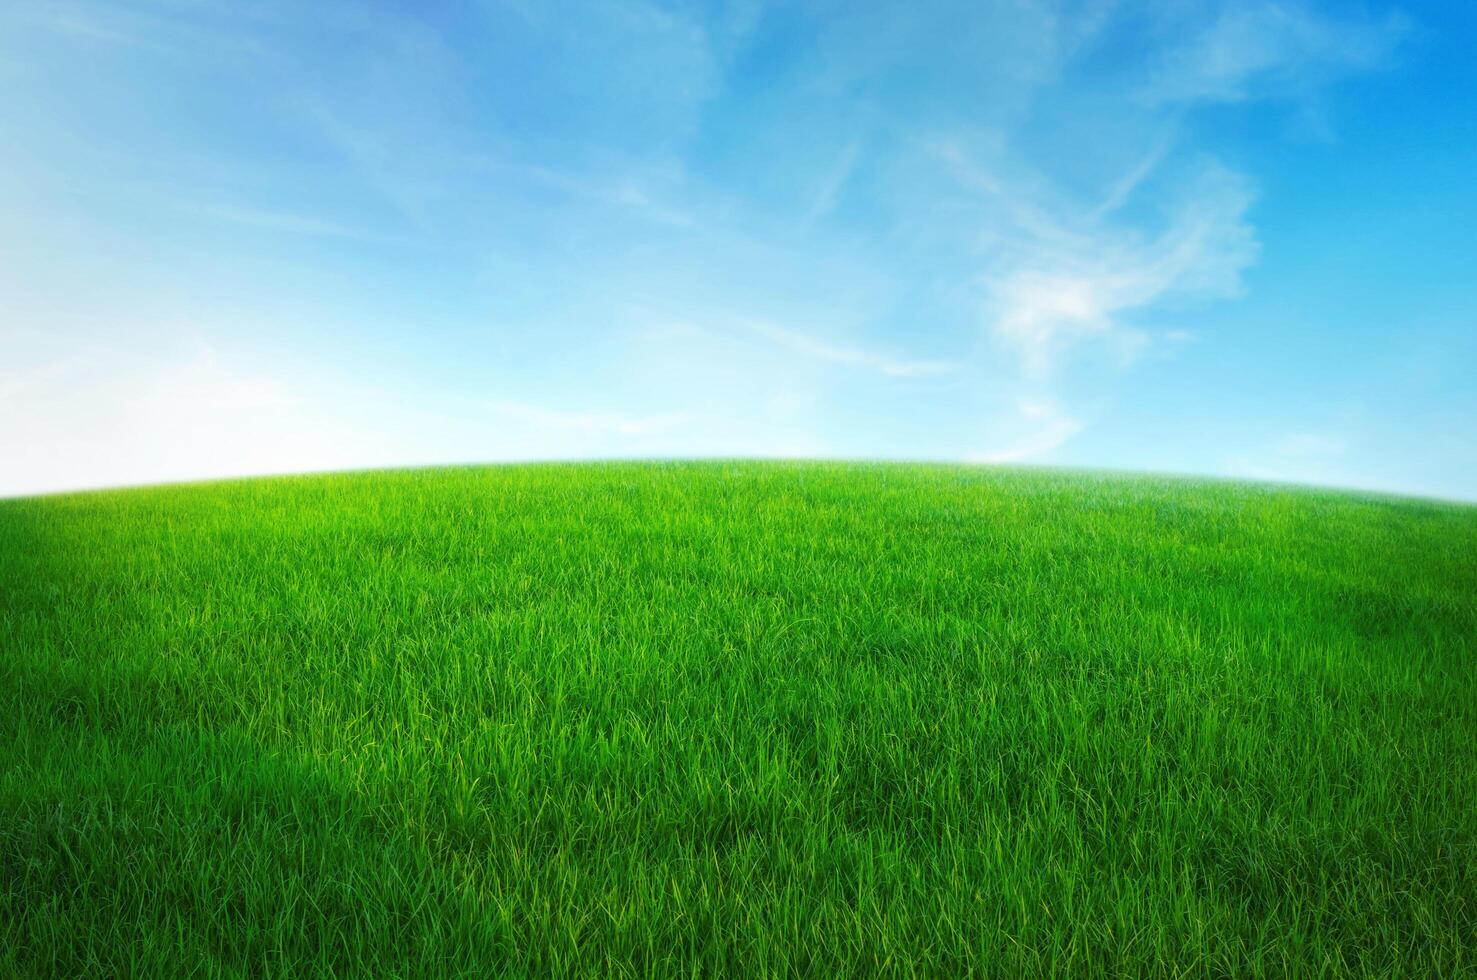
(828, 720)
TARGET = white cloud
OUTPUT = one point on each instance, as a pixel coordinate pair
(583, 162)
(833, 181)
(83, 22)
(1035, 430)
(1268, 49)
(1123, 189)
(287, 222)
(623, 190)
(820, 350)
(1062, 265)
(588, 423)
(1057, 290)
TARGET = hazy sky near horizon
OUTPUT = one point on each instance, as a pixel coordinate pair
(1233, 238)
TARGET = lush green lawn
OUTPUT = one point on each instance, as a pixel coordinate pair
(745, 718)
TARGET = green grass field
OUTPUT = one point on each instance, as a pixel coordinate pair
(737, 718)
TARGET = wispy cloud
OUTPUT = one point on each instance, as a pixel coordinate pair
(179, 31)
(959, 223)
(287, 222)
(588, 423)
(1122, 190)
(1256, 49)
(385, 166)
(624, 190)
(1062, 266)
(832, 182)
(1060, 277)
(84, 22)
(892, 367)
(1035, 430)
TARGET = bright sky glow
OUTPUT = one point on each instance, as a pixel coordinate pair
(1233, 238)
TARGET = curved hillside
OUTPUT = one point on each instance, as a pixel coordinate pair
(738, 718)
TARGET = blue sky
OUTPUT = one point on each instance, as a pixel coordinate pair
(1225, 238)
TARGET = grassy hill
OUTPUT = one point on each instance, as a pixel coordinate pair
(781, 719)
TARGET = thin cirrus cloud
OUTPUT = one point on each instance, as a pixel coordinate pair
(587, 423)
(1075, 284)
(810, 347)
(1035, 429)
(1269, 49)
(946, 229)
(1065, 273)
(284, 222)
(1062, 269)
